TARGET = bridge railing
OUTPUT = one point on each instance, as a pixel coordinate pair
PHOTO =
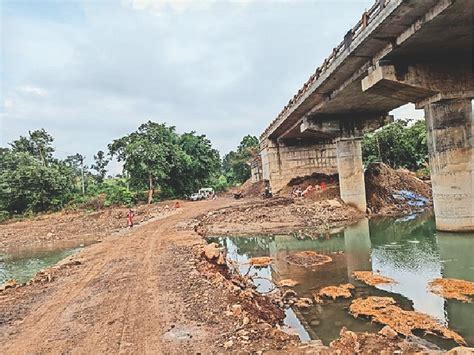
(367, 17)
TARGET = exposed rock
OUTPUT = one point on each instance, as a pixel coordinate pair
(384, 310)
(303, 302)
(260, 261)
(287, 283)
(212, 251)
(337, 291)
(372, 279)
(388, 332)
(308, 258)
(460, 290)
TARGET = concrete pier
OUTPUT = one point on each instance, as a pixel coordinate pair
(451, 152)
(351, 172)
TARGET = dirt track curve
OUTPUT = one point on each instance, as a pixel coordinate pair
(117, 301)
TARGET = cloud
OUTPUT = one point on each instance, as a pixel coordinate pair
(33, 90)
(97, 71)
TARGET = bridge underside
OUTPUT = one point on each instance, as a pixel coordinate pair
(419, 52)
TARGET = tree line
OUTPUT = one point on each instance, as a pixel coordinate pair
(158, 163)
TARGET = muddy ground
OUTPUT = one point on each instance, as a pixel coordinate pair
(147, 291)
(278, 216)
(150, 289)
(76, 225)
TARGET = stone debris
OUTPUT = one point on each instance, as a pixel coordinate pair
(287, 283)
(388, 332)
(460, 290)
(373, 343)
(260, 261)
(9, 284)
(372, 279)
(336, 291)
(212, 251)
(461, 350)
(308, 258)
(384, 310)
(303, 302)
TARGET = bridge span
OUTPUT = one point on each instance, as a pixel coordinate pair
(400, 51)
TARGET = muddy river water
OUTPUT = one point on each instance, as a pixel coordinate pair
(22, 263)
(408, 249)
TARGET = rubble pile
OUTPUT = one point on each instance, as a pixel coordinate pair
(386, 342)
(372, 279)
(384, 310)
(460, 290)
(392, 192)
(251, 189)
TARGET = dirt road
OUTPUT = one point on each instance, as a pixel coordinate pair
(129, 295)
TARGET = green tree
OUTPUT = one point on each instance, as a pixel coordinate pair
(26, 184)
(100, 165)
(196, 166)
(38, 144)
(236, 163)
(399, 144)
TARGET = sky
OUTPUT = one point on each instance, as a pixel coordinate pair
(92, 71)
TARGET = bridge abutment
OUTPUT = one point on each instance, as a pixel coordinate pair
(451, 153)
(283, 162)
(351, 172)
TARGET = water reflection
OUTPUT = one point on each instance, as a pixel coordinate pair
(408, 250)
(22, 263)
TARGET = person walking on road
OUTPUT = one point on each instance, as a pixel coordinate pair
(130, 216)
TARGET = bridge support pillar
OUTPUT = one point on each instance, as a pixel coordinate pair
(351, 172)
(451, 152)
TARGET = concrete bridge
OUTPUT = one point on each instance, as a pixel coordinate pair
(400, 51)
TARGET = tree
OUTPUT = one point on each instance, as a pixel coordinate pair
(148, 154)
(197, 165)
(38, 144)
(157, 157)
(100, 165)
(76, 163)
(236, 164)
(399, 144)
(26, 184)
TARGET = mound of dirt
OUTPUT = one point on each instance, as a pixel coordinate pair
(385, 311)
(326, 186)
(252, 189)
(393, 192)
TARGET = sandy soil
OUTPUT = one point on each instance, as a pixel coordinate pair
(144, 292)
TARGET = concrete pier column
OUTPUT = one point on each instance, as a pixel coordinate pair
(351, 172)
(451, 153)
